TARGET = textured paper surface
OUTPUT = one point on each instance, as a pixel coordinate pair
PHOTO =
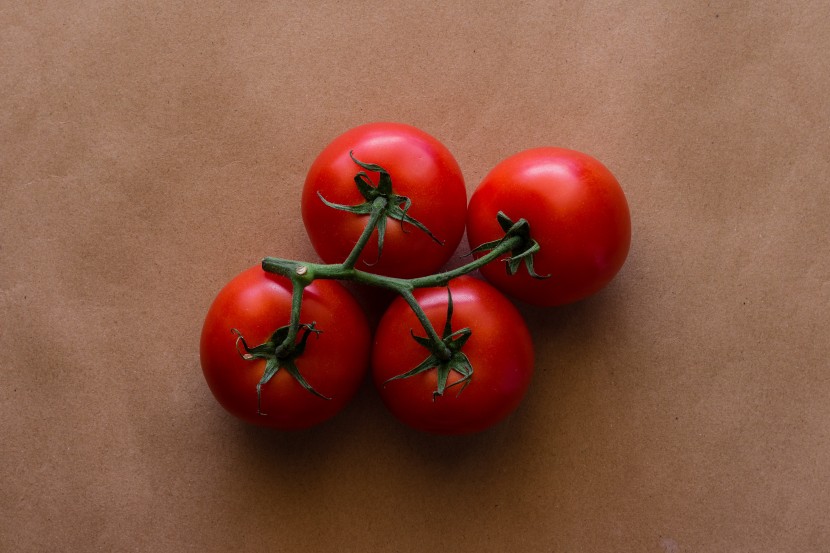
(150, 151)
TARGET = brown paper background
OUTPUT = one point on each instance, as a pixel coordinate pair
(152, 150)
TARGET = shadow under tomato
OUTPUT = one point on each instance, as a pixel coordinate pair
(565, 337)
(301, 451)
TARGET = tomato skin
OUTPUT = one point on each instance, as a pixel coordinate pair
(577, 213)
(421, 168)
(334, 363)
(500, 350)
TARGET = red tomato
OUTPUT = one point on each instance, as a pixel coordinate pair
(334, 362)
(577, 213)
(499, 349)
(421, 168)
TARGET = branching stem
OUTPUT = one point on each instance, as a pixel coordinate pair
(381, 203)
(302, 274)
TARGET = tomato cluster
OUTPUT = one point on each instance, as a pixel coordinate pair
(385, 204)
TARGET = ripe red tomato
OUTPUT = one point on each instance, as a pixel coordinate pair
(421, 169)
(577, 213)
(499, 349)
(256, 303)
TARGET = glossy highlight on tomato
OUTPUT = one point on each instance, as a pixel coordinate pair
(500, 350)
(421, 168)
(334, 362)
(577, 213)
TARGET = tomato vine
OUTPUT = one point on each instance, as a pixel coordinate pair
(556, 219)
(516, 242)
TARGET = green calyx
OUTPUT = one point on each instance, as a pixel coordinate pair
(438, 359)
(522, 252)
(277, 356)
(380, 201)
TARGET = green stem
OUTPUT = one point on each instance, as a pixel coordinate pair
(378, 211)
(287, 346)
(346, 271)
(440, 349)
(380, 203)
(338, 271)
(442, 279)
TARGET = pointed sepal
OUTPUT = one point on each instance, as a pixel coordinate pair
(396, 206)
(457, 362)
(522, 252)
(277, 358)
